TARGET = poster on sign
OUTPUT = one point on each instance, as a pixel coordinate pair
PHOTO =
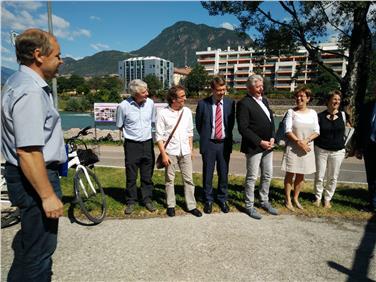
(105, 112)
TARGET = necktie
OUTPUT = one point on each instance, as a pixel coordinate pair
(218, 122)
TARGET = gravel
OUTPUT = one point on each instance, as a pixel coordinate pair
(216, 247)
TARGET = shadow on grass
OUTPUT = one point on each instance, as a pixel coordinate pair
(364, 255)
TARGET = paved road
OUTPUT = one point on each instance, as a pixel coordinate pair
(352, 169)
(216, 247)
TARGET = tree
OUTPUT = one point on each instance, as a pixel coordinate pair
(306, 22)
(197, 80)
(322, 85)
(154, 84)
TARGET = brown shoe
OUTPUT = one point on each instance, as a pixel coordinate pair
(317, 203)
(290, 207)
(327, 204)
(298, 205)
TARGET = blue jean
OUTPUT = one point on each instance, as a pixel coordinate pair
(35, 243)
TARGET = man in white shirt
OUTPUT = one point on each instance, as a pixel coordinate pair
(178, 153)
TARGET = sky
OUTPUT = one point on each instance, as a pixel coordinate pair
(84, 28)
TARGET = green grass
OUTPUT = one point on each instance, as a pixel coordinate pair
(349, 200)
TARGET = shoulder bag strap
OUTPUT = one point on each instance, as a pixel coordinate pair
(173, 131)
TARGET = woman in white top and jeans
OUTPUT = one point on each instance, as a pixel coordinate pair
(298, 159)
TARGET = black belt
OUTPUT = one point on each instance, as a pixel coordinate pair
(217, 141)
(139, 142)
(53, 166)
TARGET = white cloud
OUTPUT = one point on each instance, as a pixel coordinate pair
(95, 18)
(99, 46)
(227, 25)
(29, 5)
(9, 59)
(4, 50)
(73, 57)
(82, 31)
(21, 19)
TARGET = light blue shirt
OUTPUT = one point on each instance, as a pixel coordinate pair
(28, 118)
(214, 109)
(135, 120)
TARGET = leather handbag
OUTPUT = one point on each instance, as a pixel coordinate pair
(158, 162)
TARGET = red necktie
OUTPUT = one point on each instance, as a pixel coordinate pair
(218, 122)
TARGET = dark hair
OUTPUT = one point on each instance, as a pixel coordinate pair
(217, 80)
(172, 93)
(28, 41)
(332, 94)
(305, 90)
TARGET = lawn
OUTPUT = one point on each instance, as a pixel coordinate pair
(349, 200)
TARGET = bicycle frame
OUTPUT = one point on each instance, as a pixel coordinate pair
(76, 161)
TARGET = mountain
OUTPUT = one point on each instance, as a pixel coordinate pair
(102, 63)
(177, 43)
(5, 74)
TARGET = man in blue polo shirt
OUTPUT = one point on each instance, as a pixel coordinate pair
(33, 147)
(134, 117)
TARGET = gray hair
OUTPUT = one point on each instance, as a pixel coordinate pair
(253, 78)
(136, 85)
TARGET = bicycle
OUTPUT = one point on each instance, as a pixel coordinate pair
(87, 188)
(10, 215)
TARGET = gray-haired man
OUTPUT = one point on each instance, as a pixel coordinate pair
(256, 126)
(134, 117)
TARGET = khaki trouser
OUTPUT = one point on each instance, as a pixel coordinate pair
(184, 163)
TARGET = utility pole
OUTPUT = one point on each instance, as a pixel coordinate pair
(50, 30)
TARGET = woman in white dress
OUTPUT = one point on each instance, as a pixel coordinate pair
(302, 127)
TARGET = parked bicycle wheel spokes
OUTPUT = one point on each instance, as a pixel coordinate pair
(90, 195)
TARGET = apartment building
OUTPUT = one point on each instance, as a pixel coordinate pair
(138, 68)
(284, 72)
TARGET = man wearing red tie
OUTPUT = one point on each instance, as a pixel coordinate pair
(215, 118)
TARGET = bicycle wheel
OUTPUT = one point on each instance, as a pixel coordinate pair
(90, 195)
(10, 217)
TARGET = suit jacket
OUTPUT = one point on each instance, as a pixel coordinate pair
(253, 124)
(204, 121)
(363, 130)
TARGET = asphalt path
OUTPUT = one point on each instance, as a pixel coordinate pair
(352, 169)
(216, 247)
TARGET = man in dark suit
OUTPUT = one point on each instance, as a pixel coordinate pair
(365, 145)
(256, 126)
(215, 118)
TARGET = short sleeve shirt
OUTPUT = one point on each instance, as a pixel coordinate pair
(135, 120)
(29, 118)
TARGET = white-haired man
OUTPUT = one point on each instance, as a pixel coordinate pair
(256, 126)
(134, 117)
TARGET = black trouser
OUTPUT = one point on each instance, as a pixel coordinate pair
(370, 162)
(139, 155)
(36, 241)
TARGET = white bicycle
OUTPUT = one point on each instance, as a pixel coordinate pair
(87, 188)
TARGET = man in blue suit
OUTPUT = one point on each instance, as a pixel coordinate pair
(215, 117)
